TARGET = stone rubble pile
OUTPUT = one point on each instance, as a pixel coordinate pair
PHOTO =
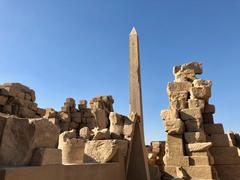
(195, 146)
(17, 99)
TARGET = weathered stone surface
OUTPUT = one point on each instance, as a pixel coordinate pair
(191, 114)
(128, 127)
(186, 75)
(46, 156)
(178, 100)
(3, 100)
(82, 104)
(213, 128)
(178, 86)
(195, 66)
(174, 126)
(201, 160)
(85, 133)
(168, 114)
(193, 137)
(116, 125)
(174, 145)
(101, 118)
(21, 136)
(100, 151)
(102, 102)
(194, 147)
(209, 108)
(218, 140)
(201, 82)
(176, 160)
(196, 103)
(101, 134)
(72, 148)
(200, 92)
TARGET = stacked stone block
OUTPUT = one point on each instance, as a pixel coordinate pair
(187, 150)
(17, 99)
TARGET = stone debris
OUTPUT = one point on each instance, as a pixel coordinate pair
(17, 99)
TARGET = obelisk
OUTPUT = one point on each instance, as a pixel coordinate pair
(138, 166)
(135, 75)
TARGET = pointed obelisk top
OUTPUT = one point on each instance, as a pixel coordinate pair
(133, 31)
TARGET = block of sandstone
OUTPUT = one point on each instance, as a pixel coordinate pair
(46, 156)
(101, 117)
(201, 82)
(201, 160)
(100, 151)
(176, 160)
(208, 118)
(101, 134)
(186, 75)
(50, 113)
(72, 148)
(102, 102)
(178, 86)
(128, 127)
(191, 114)
(200, 92)
(85, 133)
(209, 108)
(178, 100)
(20, 136)
(213, 128)
(116, 125)
(82, 104)
(219, 140)
(76, 117)
(174, 126)
(193, 137)
(196, 103)
(174, 145)
(193, 125)
(167, 114)
(195, 66)
(195, 147)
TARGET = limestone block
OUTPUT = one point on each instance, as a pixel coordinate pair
(116, 125)
(176, 160)
(197, 67)
(20, 136)
(200, 93)
(82, 104)
(207, 118)
(201, 82)
(193, 137)
(101, 134)
(196, 103)
(218, 140)
(193, 125)
(186, 75)
(213, 128)
(101, 118)
(100, 151)
(200, 160)
(174, 145)
(168, 114)
(85, 133)
(174, 126)
(209, 108)
(195, 147)
(178, 86)
(46, 156)
(178, 100)
(3, 100)
(191, 114)
(128, 127)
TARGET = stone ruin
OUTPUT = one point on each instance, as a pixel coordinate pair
(94, 142)
(196, 147)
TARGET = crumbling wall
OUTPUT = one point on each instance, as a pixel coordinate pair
(196, 147)
(17, 99)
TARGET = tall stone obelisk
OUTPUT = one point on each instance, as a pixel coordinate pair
(135, 75)
(138, 166)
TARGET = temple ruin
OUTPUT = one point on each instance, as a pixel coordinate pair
(90, 141)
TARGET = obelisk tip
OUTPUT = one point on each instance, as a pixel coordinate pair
(133, 31)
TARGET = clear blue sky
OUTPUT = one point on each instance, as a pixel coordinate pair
(79, 49)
